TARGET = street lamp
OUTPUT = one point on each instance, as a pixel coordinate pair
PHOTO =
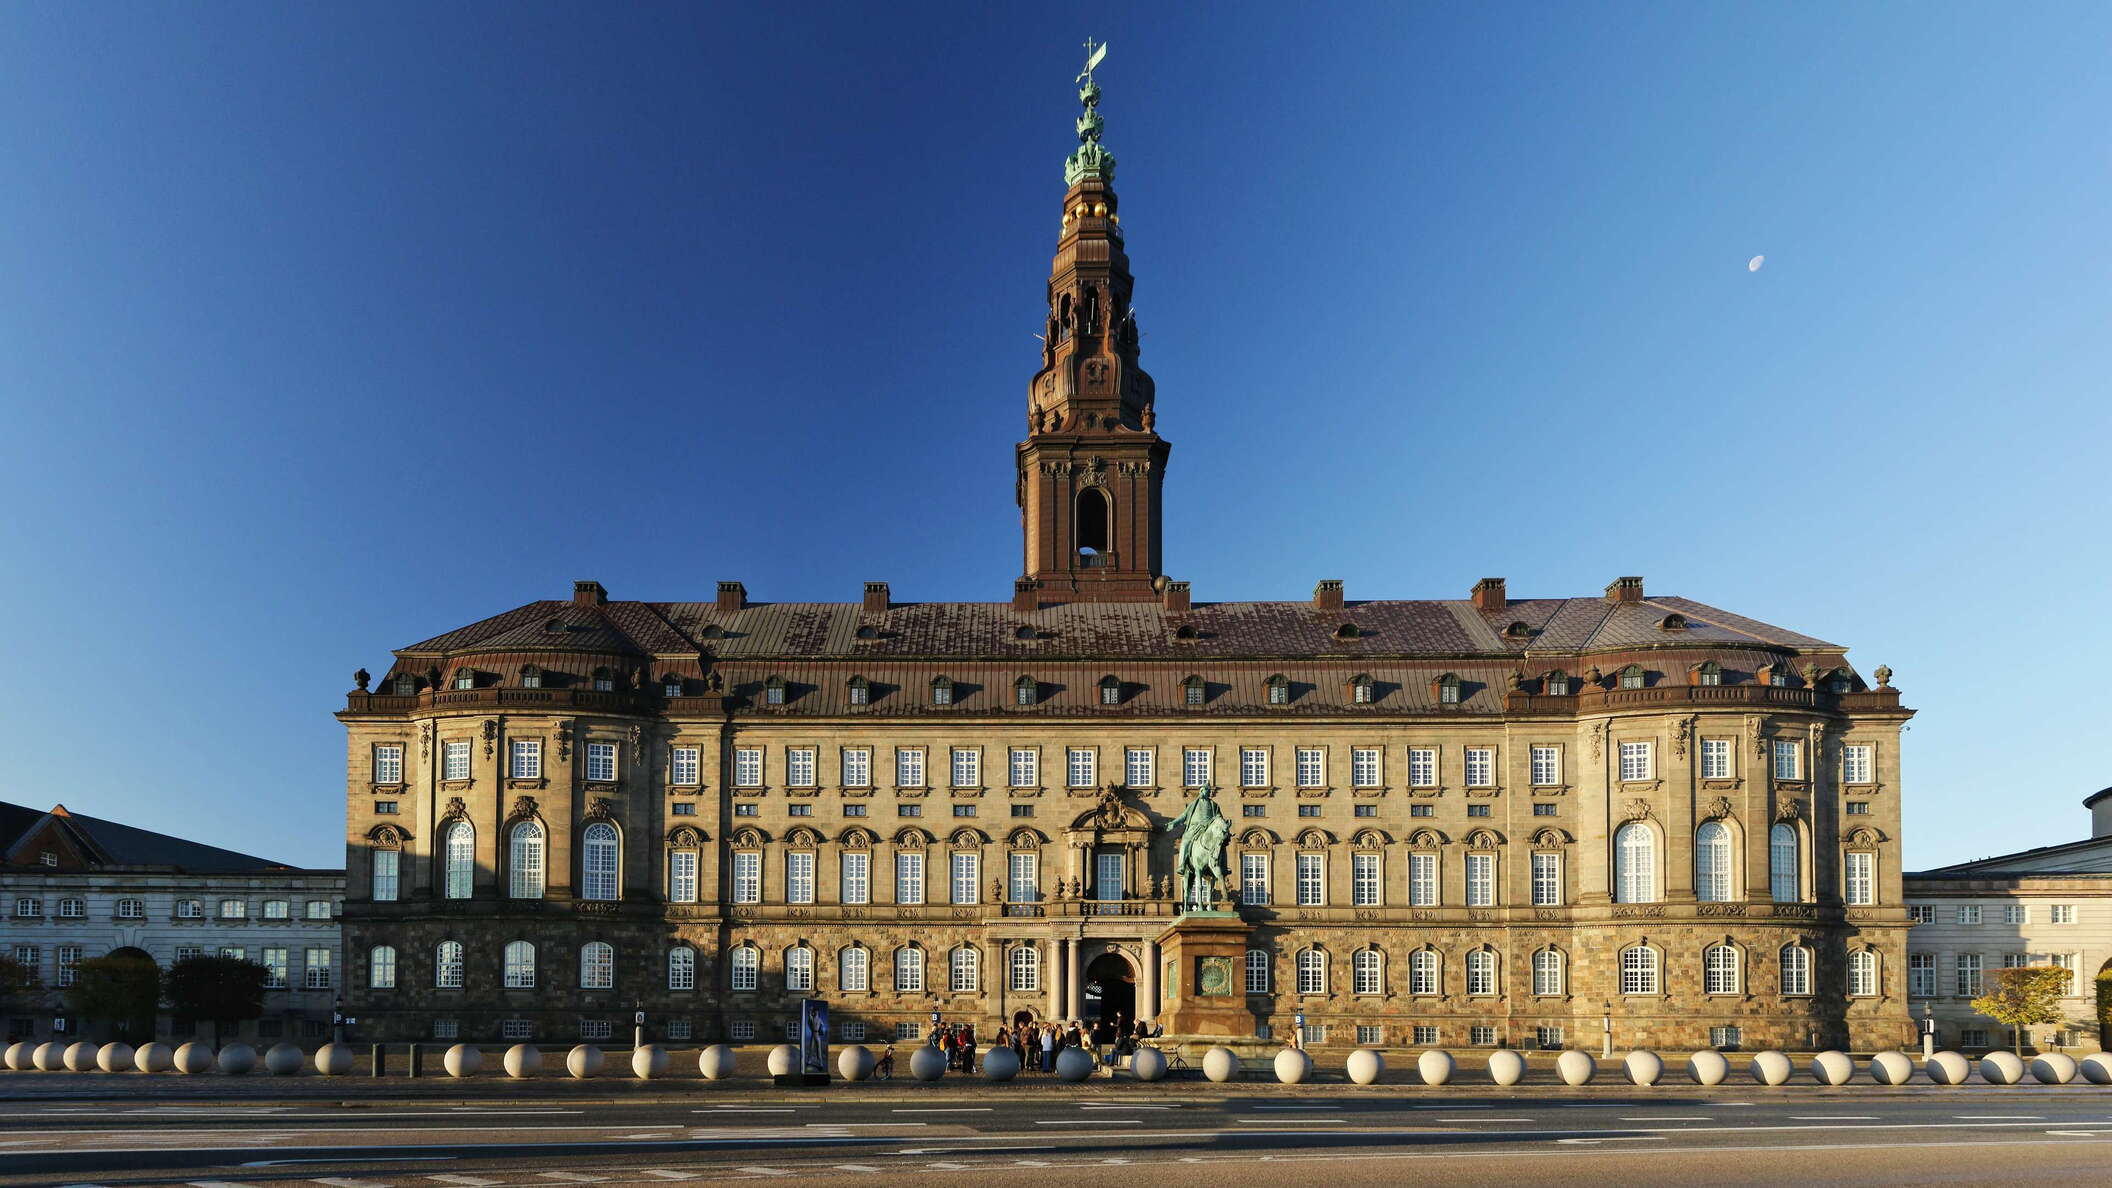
(1606, 1030)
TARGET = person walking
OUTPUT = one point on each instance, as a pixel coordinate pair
(968, 1048)
(885, 1070)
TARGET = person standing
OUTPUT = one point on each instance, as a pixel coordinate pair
(1048, 1047)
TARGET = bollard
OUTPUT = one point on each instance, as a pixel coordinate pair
(381, 1060)
(417, 1060)
(1148, 1064)
(1364, 1066)
(2053, 1068)
(1221, 1064)
(1506, 1067)
(153, 1058)
(782, 1060)
(463, 1060)
(1832, 1068)
(1770, 1067)
(1293, 1066)
(1643, 1068)
(283, 1059)
(855, 1063)
(1708, 1067)
(1576, 1068)
(1435, 1066)
(927, 1063)
(1891, 1068)
(2001, 1068)
(648, 1062)
(80, 1056)
(522, 1061)
(718, 1061)
(333, 1060)
(237, 1059)
(1948, 1068)
(583, 1061)
(1000, 1064)
(115, 1057)
(2097, 1068)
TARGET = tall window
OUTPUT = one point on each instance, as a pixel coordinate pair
(1312, 880)
(1481, 880)
(941, 691)
(381, 967)
(1078, 766)
(1712, 863)
(1709, 674)
(599, 861)
(1253, 878)
(745, 971)
(1368, 972)
(1862, 877)
(1312, 971)
(597, 966)
(1026, 968)
(1719, 970)
(1364, 767)
(1312, 772)
(315, 971)
(447, 965)
(799, 968)
(1547, 972)
(799, 767)
(1364, 879)
(1796, 970)
(1192, 691)
(1789, 759)
(1195, 766)
(681, 968)
(747, 767)
(1969, 975)
(1279, 691)
(1634, 864)
(909, 767)
(1107, 876)
(909, 969)
(520, 965)
(1862, 973)
(388, 764)
(601, 762)
(682, 876)
(1921, 975)
(1632, 677)
(909, 877)
(1481, 767)
(1547, 766)
(1481, 972)
(1639, 970)
(1855, 764)
(967, 767)
(1422, 972)
(799, 876)
(454, 760)
(857, 767)
(1136, 767)
(1025, 767)
(967, 865)
(1783, 864)
(524, 759)
(524, 866)
(854, 969)
(857, 877)
(1422, 767)
(1110, 691)
(1422, 880)
(275, 966)
(1636, 761)
(1023, 876)
(385, 867)
(1715, 758)
(1023, 691)
(1257, 971)
(460, 860)
(747, 876)
(1547, 878)
(963, 970)
(685, 766)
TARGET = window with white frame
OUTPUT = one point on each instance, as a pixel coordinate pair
(601, 762)
(1481, 880)
(909, 877)
(1079, 766)
(1423, 972)
(799, 969)
(597, 966)
(388, 763)
(1921, 975)
(186, 909)
(1023, 882)
(381, 967)
(1312, 971)
(1192, 691)
(1784, 864)
(1712, 863)
(1481, 767)
(448, 965)
(1546, 762)
(799, 876)
(1921, 913)
(1481, 972)
(276, 965)
(747, 876)
(1364, 767)
(1795, 962)
(1025, 965)
(967, 865)
(909, 969)
(519, 965)
(1195, 766)
(1422, 880)
(1025, 767)
(27, 908)
(1634, 864)
(1789, 759)
(857, 877)
(745, 969)
(2016, 913)
(1716, 759)
(1639, 970)
(1968, 969)
(682, 876)
(1312, 880)
(854, 969)
(386, 865)
(941, 691)
(1719, 970)
(1856, 764)
(1862, 974)
(524, 759)
(1253, 878)
(967, 767)
(909, 767)
(1968, 913)
(799, 767)
(1253, 767)
(131, 909)
(747, 767)
(454, 760)
(1547, 878)
(1637, 762)
(599, 862)
(234, 909)
(524, 873)
(1547, 972)
(1137, 767)
(1861, 877)
(1422, 767)
(1367, 969)
(2060, 913)
(1364, 880)
(963, 970)
(857, 763)
(1279, 691)
(1312, 767)
(1257, 971)
(1369, 1036)
(681, 968)
(1632, 677)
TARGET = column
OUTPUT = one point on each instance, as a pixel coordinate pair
(1148, 984)
(1056, 976)
(1073, 980)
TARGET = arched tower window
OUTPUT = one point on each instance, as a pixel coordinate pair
(1712, 863)
(525, 862)
(1634, 864)
(1784, 865)
(1093, 525)
(598, 862)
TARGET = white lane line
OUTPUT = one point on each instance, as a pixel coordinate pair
(948, 1110)
(1833, 1117)
(471, 1181)
(1450, 1107)
(563, 1177)
(745, 1110)
(965, 1150)
(663, 1173)
(861, 1125)
(2001, 1117)
(1615, 1138)
(856, 1167)
(1298, 1121)
(1476, 1118)
(764, 1171)
(1332, 1107)
(1659, 1118)
(1093, 1122)
(1128, 1107)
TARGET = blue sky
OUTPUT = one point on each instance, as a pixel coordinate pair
(326, 329)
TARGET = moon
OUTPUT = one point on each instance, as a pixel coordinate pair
(1753, 265)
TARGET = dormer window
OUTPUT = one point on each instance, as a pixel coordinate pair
(1556, 684)
(466, 679)
(1348, 631)
(774, 691)
(861, 693)
(1279, 691)
(1192, 691)
(1672, 622)
(406, 685)
(1186, 632)
(1517, 630)
(1777, 677)
(711, 631)
(1025, 691)
(1360, 690)
(1025, 633)
(1448, 689)
(604, 681)
(1632, 677)
(1110, 691)
(941, 691)
(1709, 673)
(1838, 682)
(868, 631)
(671, 685)
(531, 677)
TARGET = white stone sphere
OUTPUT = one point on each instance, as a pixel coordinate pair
(1996, 1068)
(1435, 1066)
(1506, 1067)
(583, 1061)
(237, 1059)
(114, 1056)
(1948, 1068)
(153, 1058)
(523, 1061)
(1148, 1064)
(783, 1060)
(854, 1063)
(717, 1062)
(463, 1060)
(334, 1060)
(648, 1061)
(1891, 1068)
(49, 1057)
(21, 1057)
(1771, 1067)
(1577, 1068)
(194, 1057)
(1000, 1064)
(1074, 1064)
(927, 1063)
(2053, 1068)
(1293, 1066)
(1221, 1064)
(1365, 1066)
(283, 1059)
(1643, 1068)
(80, 1057)
(1708, 1067)
(1832, 1068)
(2097, 1068)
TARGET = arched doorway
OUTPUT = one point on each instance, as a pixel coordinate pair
(1110, 988)
(1022, 1018)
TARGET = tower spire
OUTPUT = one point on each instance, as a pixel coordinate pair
(1091, 468)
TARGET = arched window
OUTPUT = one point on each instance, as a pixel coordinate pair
(1481, 972)
(604, 680)
(1862, 973)
(1784, 864)
(1360, 690)
(386, 860)
(963, 968)
(1312, 971)
(681, 968)
(1024, 691)
(1719, 970)
(406, 685)
(1448, 690)
(1710, 673)
(465, 679)
(799, 968)
(524, 866)
(598, 861)
(1026, 968)
(774, 690)
(1423, 972)
(1555, 684)
(1257, 971)
(1796, 970)
(1632, 677)
(1093, 524)
(1110, 691)
(746, 968)
(520, 965)
(1639, 970)
(941, 691)
(1547, 972)
(1368, 971)
(531, 677)
(597, 966)
(381, 967)
(131, 909)
(1279, 690)
(1712, 863)
(909, 969)
(447, 965)
(1192, 691)
(1634, 864)
(460, 860)
(854, 969)
(670, 685)
(860, 690)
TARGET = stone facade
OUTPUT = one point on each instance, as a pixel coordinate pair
(1394, 772)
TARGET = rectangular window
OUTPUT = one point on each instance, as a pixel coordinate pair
(1478, 810)
(1022, 810)
(1079, 766)
(1253, 767)
(1482, 1036)
(1026, 767)
(385, 807)
(1858, 808)
(447, 1029)
(1547, 766)
(524, 759)
(601, 762)
(966, 866)
(1481, 880)
(1856, 764)
(857, 877)
(1364, 767)
(1716, 759)
(857, 767)
(684, 766)
(1543, 808)
(1023, 883)
(1137, 767)
(1371, 1037)
(748, 809)
(315, 971)
(1789, 759)
(1195, 766)
(1107, 877)
(909, 810)
(2061, 913)
(1364, 810)
(1968, 913)
(454, 760)
(682, 876)
(909, 767)
(967, 767)
(1308, 810)
(1312, 881)
(1549, 1038)
(1921, 975)
(275, 967)
(854, 810)
(1364, 880)
(388, 763)
(1253, 879)
(28, 909)
(234, 909)
(1258, 972)
(1969, 975)
(799, 876)
(280, 909)
(1422, 767)
(1862, 884)
(1921, 913)
(1422, 880)
(1312, 770)
(1422, 810)
(69, 957)
(1481, 767)
(1253, 810)
(747, 767)
(959, 810)
(385, 869)
(1726, 1038)
(1547, 879)
(1972, 1037)
(799, 767)
(909, 878)
(1636, 761)
(747, 877)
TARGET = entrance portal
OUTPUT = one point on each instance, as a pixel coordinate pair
(1110, 988)
(1022, 1018)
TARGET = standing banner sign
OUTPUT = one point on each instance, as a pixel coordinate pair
(814, 1036)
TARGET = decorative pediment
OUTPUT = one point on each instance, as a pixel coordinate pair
(1789, 810)
(1424, 839)
(1110, 814)
(1026, 839)
(1484, 839)
(523, 806)
(1369, 839)
(1716, 808)
(1258, 837)
(455, 808)
(1315, 838)
(913, 838)
(968, 839)
(685, 838)
(1865, 838)
(385, 837)
(602, 809)
(857, 839)
(1635, 809)
(1549, 837)
(804, 838)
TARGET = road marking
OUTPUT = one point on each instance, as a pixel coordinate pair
(860, 1125)
(1334, 1107)
(967, 1150)
(668, 1174)
(764, 1171)
(1093, 1122)
(1449, 1107)
(745, 1110)
(2001, 1117)
(472, 1181)
(1615, 1138)
(1833, 1117)
(572, 1177)
(948, 1110)
(1486, 1118)
(1132, 1107)
(1317, 1121)
(346, 1182)
(1647, 1118)
(856, 1167)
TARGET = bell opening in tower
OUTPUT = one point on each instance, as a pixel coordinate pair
(1092, 521)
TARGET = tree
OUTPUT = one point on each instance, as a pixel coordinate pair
(2023, 996)
(19, 988)
(2104, 1007)
(120, 990)
(219, 989)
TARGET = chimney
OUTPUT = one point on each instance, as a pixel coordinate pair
(876, 599)
(1026, 595)
(733, 596)
(1175, 597)
(589, 594)
(1328, 595)
(1489, 596)
(1627, 589)
(2100, 806)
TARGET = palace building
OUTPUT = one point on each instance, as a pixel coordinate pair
(1468, 821)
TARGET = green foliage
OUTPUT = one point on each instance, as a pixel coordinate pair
(120, 990)
(216, 989)
(2024, 996)
(19, 987)
(2104, 1007)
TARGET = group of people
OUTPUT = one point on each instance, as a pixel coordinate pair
(1037, 1045)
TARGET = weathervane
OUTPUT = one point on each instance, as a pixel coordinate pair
(1090, 160)
(1092, 59)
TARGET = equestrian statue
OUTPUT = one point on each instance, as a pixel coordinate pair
(1199, 866)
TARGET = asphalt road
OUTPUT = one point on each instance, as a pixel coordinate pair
(1184, 1134)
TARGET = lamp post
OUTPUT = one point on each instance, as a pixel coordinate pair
(1606, 1033)
(1928, 1030)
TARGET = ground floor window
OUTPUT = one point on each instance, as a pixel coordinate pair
(906, 1031)
(1315, 1033)
(1482, 1037)
(1726, 1039)
(1264, 1031)
(679, 1029)
(447, 1029)
(313, 1029)
(853, 1031)
(1368, 1037)
(1549, 1038)
(1973, 1037)
(1425, 1036)
(516, 1029)
(741, 1030)
(597, 1029)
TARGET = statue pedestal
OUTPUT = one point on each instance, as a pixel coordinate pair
(1204, 987)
